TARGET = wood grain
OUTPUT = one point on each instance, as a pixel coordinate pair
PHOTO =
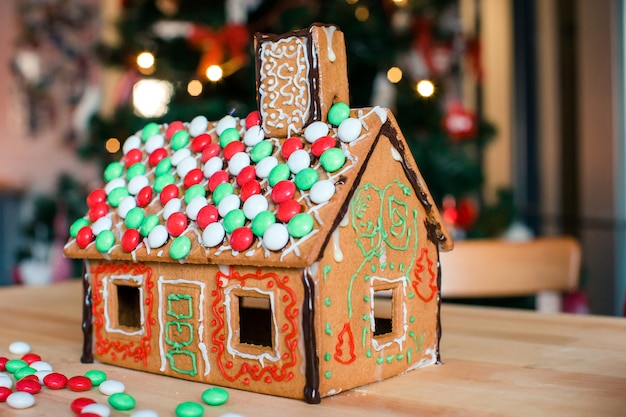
(496, 362)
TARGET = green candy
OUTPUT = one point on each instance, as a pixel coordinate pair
(105, 241)
(97, 377)
(261, 150)
(117, 195)
(262, 221)
(279, 173)
(332, 159)
(306, 178)
(215, 396)
(189, 409)
(180, 247)
(22, 372)
(193, 192)
(148, 224)
(134, 170)
(180, 140)
(163, 167)
(163, 180)
(134, 218)
(14, 365)
(150, 130)
(234, 219)
(113, 170)
(300, 225)
(77, 225)
(229, 135)
(122, 401)
(338, 113)
(222, 191)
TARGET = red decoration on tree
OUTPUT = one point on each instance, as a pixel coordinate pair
(459, 122)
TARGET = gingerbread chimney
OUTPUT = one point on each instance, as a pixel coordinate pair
(299, 77)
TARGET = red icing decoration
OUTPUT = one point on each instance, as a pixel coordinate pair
(425, 284)
(193, 177)
(79, 383)
(132, 157)
(253, 119)
(157, 156)
(130, 240)
(172, 128)
(98, 210)
(84, 237)
(96, 196)
(241, 238)
(344, 338)
(176, 223)
(200, 142)
(287, 209)
(323, 144)
(249, 189)
(217, 178)
(31, 357)
(246, 174)
(168, 192)
(144, 196)
(212, 149)
(55, 380)
(233, 148)
(79, 403)
(290, 146)
(4, 393)
(207, 215)
(283, 190)
(28, 385)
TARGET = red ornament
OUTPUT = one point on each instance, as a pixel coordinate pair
(96, 196)
(176, 223)
(467, 212)
(207, 215)
(459, 122)
(232, 148)
(246, 174)
(253, 119)
(157, 156)
(144, 196)
(241, 238)
(287, 209)
(130, 240)
(55, 380)
(79, 383)
(200, 142)
(283, 190)
(290, 146)
(217, 178)
(249, 189)
(172, 128)
(168, 192)
(79, 403)
(132, 157)
(211, 150)
(193, 177)
(28, 385)
(31, 357)
(4, 393)
(323, 144)
(84, 237)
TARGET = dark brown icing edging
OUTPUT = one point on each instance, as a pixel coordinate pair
(87, 326)
(312, 372)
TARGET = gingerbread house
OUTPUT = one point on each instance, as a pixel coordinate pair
(293, 252)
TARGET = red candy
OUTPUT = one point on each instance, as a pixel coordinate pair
(323, 144)
(241, 238)
(79, 383)
(132, 157)
(3, 363)
(96, 196)
(253, 119)
(168, 192)
(144, 196)
(246, 174)
(31, 376)
(207, 215)
(200, 142)
(287, 209)
(211, 150)
(283, 190)
(249, 189)
(157, 156)
(98, 210)
(89, 415)
(217, 178)
(193, 177)
(130, 240)
(4, 393)
(176, 223)
(79, 403)
(28, 385)
(55, 380)
(84, 237)
(233, 148)
(173, 128)
(31, 357)
(290, 146)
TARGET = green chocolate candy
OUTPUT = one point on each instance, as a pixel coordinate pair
(261, 150)
(262, 221)
(163, 167)
(306, 178)
(338, 113)
(279, 173)
(117, 195)
(97, 377)
(332, 159)
(134, 218)
(105, 241)
(222, 191)
(134, 170)
(112, 171)
(229, 135)
(148, 224)
(180, 247)
(22, 372)
(189, 409)
(150, 130)
(13, 365)
(180, 140)
(196, 190)
(162, 181)
(77, 225)
(233, 220)
(300, 225)
(122, 401)
(215, 396)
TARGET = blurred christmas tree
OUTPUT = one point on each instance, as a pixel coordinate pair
(193, 57)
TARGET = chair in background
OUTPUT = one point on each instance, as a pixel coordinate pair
(542, 267)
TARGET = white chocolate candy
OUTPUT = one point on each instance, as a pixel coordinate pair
(99, 409)
(253, 136)
(157, 236)
(229, 203)
(186, 165)
(349, 130)
(144, 413)
(20, 400)
(212, 166)
(111, 386)
(195, 206)
(213, 235)
(265, 166)
(41, 365)
(225, 123)
(298, 160)
(276, 236)
(254, 205)
(19, 348)
(137, 184)
(113, 184)
(41, 375)
(322, 191)
(6, 381)
(171, 207)
(198, 125)
(103, 223)
(315, 130)
(154, 142)
(179, 155)
(126, 205)
(132, 142)
(239, 161)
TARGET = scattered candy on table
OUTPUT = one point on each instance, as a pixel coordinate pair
(20, 400)
(189, 409)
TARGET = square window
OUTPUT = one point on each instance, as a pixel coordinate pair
(255, 320)
(383, 301)
(128, 306)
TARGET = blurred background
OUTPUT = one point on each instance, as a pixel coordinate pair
(514, 109)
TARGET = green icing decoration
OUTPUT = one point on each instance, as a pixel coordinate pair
(300, 225)
(112, 171)
(134, 170)
(228, 135)
(389, 359)
(399, 357)
(162, 181)
(368, 353)
(117, 195)
(279, 173)
(411, 295)
(332, 159)
(411, 319)
(326, 271)
(105, 241)
(261, 150)
(327, 356)
(409, 355)
(222, 191)
(338, 113)
(134, 218)
(327, 329)
(306, 178)
(366, 298)
(328, 374)
(379, 360)
(373, 268)
(150, 130)
(181, 301)
(233, 220)
(262, 221)
(180, 247)
(327, 301)
(196, 190)
(163, 167)
(180, 139)
(77, 225)
(365, 317)
(148, 224)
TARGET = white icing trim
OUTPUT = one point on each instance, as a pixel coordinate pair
(330, 31)
(108, 324)
(402, 338)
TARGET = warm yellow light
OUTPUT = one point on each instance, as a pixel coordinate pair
(214, 73)
(351, 1)
(151, 98)
(194, 88)
(145, 60)
(394, 74)
(425, 88)
(362, 13)
(112, 145)
(400, 3)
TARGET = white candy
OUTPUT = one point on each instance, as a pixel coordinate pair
(253, 136)
(225, 123)
(126, 205)
(276, 236)
(157, 236)
(113, 184)
(137, 183)
(213, 235)
(349, 130)
(179, 155)
(212, 166)
(322, 191)
(239, 161)
(315, 131)
(19, 348)
(144, 413)
(41, 365)
(198, 125)
(230, 415)
(254, 205)
(103, 223)
(132, 142)
(99, 409)
(265, 166)
(299, 160)
(42, 374)
(154, 142)
(6, 381)
(186, 165)
(195, 206)
(229, 203)
(20, 400)
(171, 207)
(111, 386)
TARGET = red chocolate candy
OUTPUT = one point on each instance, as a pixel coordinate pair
(193, 177)
(168, 192)
(233, 148)
(211, 150)
(207, 215)
(157, 156)
(200, 142)
(287, 209)
(217, 178)
(98, 210)
(96, 196)
(144, 197)
(79, 383)
(132, 157)
(241, 238)
(173, 128)
(31, 357)
(253, 119)
(79, 403)
(28, 385)
(84, 237)
(290, 146)
(176, 223)
(3, 362)
(283, 190)
(246, 174)
(130, 240)
(55, 380)
(249, 189)
(89, 415)
(4, 393)
(323, 144)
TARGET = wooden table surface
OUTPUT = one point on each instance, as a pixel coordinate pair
(496, 362)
